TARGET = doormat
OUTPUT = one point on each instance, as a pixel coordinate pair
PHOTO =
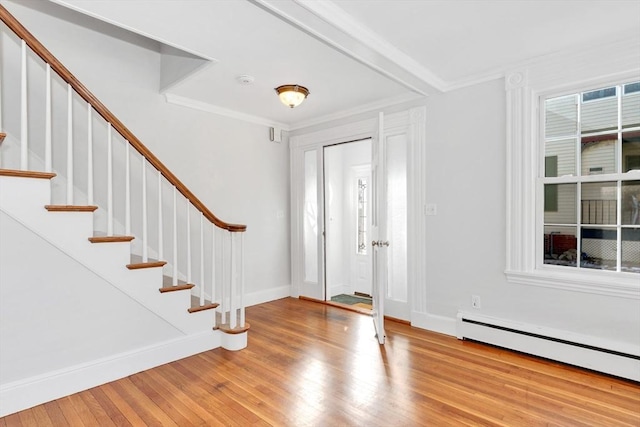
(357, 301)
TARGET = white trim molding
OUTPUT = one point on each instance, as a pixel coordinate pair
(19, 395)
(210, 108)
(524, 89)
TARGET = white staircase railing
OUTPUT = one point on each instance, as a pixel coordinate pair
(103, 164)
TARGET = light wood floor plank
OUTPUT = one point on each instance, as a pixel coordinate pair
(308, 364)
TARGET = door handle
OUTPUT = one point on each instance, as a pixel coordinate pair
(380, 243)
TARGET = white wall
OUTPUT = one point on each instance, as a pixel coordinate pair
(56, 313)
(465, 246)
(230, 165)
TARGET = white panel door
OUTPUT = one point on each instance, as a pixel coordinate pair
(379, 230)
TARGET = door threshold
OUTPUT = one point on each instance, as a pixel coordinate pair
(338, 305)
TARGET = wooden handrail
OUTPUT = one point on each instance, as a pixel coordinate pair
(106, 114)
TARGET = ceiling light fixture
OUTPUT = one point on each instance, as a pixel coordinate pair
(292, 95)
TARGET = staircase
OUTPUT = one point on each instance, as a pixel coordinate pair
(120, 213)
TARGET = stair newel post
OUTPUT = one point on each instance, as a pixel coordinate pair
(109, 181)
(145, 250)
(175, 237)
(127, 189)
(201, 284)
(89, 155)
(241, 272)
(188, 242)
(24, 128)
(48, 162)
(213, 267)
(69, 145)
(160, 236)
(233, 317)
(1, 61)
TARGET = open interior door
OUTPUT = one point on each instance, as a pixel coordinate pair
(379, 229)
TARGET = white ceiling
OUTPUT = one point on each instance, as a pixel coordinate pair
(356, 55)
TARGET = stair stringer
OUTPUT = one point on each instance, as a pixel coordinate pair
(24, 200)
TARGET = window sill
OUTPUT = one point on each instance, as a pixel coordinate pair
(613, 284)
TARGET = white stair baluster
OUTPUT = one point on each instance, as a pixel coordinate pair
(223, 287)
(89, 156)
(48, 161)
(160, 236)
(145, 250)
(69, 145)
(175, 238)
(127, 189)
(213, 267)
(24, 127)
(188, 243)
(233, 285)
(201, 284)
(109, 181)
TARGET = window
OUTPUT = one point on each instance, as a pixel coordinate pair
(361, 219)
(591, 180)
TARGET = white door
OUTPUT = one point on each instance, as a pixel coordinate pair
(379, 243)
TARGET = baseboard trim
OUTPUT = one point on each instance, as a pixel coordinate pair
(23, 394)
(433, 322)
(272, 294)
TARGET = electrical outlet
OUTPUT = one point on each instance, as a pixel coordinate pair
(475, 301)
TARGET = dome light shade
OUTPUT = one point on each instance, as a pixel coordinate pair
(292, 95)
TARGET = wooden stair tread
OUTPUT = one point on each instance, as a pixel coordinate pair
(149, 264)
(110, 239)
(209, 306)
(70, 208)
(176, 288)
(27, 174)
(237, 330)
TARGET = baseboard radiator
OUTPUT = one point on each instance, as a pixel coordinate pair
(607, 357)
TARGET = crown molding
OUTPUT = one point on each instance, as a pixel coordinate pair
(210, 108)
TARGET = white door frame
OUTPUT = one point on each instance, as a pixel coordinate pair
(410, 122)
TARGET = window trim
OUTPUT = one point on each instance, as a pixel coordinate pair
(524, 89)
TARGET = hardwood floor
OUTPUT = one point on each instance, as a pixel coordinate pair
(309, 364)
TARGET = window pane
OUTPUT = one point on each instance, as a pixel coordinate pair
(310, 217)
(630, 151)
(560, 157)
(599, 248)
(561, 116)
(599, 154)
(560, 245)
(631, 250)
(599, 203)
(631, 108)
(630, 203)
(599, 114)
(560, 203)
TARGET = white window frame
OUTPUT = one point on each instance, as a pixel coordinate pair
(525, 87)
